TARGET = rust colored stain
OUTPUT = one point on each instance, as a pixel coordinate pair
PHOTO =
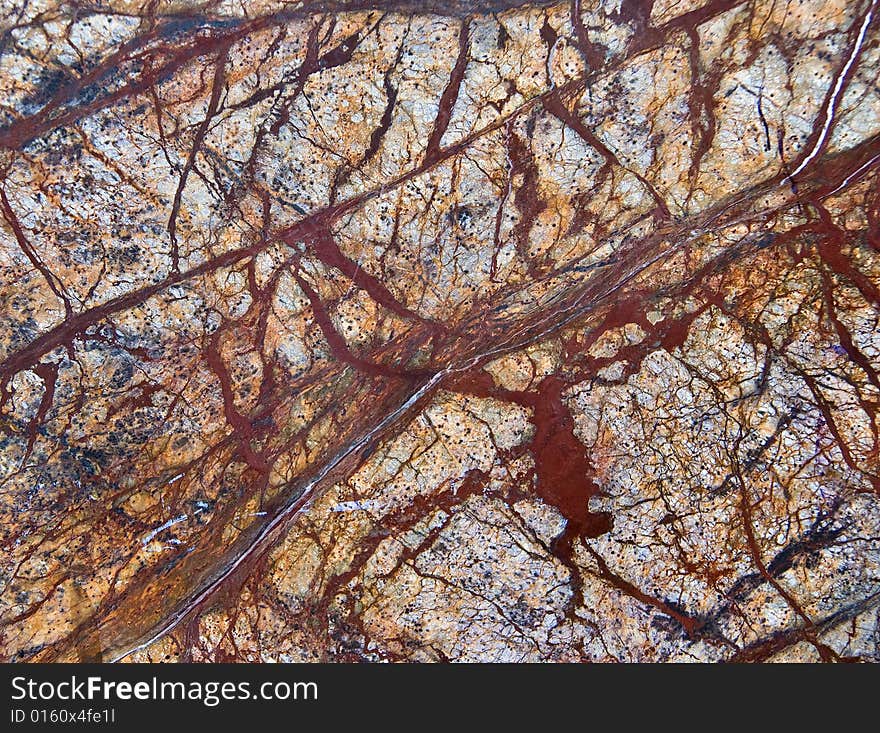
(563, 468)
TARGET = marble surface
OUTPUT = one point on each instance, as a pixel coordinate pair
(467, 331)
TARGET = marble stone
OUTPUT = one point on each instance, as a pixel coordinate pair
(381, 330)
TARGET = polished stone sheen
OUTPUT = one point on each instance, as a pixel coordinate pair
(465, 331)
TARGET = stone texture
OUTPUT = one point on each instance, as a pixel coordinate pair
(483, 331)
